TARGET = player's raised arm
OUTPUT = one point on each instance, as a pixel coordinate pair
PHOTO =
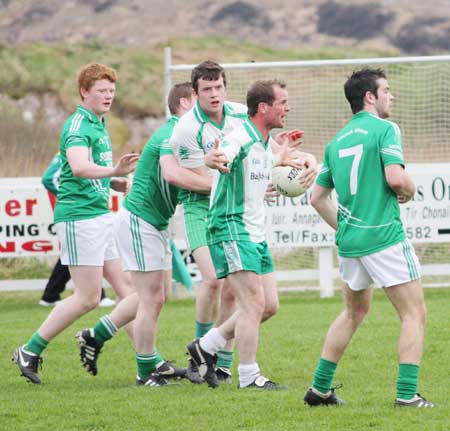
(186, 178)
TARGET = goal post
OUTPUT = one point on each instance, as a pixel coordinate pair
(301, 243)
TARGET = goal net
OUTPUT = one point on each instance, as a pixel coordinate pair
(421, 87)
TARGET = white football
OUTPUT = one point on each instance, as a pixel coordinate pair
(286, 180)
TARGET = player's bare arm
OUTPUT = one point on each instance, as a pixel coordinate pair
(186, 178)
(82, 166)
(400, 182)
(320, 200)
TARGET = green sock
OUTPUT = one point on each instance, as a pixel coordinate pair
(146, 363)
(104, 330)
(323, 376)
(408, 377)
(224, 359)
(36, 344)
(202, 328)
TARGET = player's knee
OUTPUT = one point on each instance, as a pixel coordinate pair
(213, 284)
(227, 295)
(88, 303)
(357, 314)
(256, 306)
(271, 308)
(415, 314)
(157, 301)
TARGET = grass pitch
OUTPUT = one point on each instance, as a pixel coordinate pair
(290, 345)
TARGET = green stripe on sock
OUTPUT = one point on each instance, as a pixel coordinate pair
(158, 357)
(146, 364)
(36, 344)
(224, 359)
(202, 328)
(104, 330)
(408, 377)
(323, 376)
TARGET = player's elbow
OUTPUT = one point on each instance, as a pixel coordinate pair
(78, 171)
(401, 185)
(315, 201)
(171, 178)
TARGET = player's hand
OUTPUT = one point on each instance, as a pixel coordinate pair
(289, 156)
(121, 184)
(271, 193)
(310, 170)
(290, 138)
(216, 159)
(402, 199)
(126, 164)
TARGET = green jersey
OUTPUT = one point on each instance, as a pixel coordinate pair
(354, 162)
(83, 198)
(151, 197)
(50, 178)
(237, 199)
(195, 135)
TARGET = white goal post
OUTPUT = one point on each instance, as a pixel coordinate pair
(302, 245)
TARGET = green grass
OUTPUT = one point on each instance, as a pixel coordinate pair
(25, 268)
(290, 344)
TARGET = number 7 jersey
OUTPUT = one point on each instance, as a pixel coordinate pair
(354, 162)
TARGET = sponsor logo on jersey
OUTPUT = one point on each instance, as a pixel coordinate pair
(183, 152)
(209, 146)
(259, 176)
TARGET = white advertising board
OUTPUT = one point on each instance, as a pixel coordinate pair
(292, 222)
(26, 218)
(26, 215)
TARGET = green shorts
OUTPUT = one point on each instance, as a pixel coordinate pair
(195, 221)
(234, 256)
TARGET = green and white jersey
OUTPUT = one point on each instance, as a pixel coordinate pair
(195, 135)
(237, 199)
(83, 198)
(354, 162)
(151, 197)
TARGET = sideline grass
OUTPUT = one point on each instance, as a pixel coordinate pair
(70, 399)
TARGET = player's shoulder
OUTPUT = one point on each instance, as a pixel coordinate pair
(384, 124)
(189, 123)
(165, 130)
(235, 109)
(79, 123)
(242, 131)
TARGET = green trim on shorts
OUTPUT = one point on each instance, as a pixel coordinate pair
(136, 237)
(233, 256)
(413, 272)
(195, 221)
(71, 243)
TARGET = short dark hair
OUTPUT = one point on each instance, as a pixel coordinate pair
(359, 83)
(262, 92)
(209, 71)
(177, 92)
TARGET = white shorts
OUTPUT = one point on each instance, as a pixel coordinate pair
(389, 267)
(142, 247)
(87, 242)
